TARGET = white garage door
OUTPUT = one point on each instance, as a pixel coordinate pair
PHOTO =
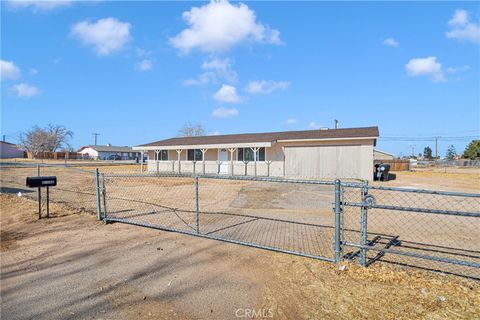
(323, 162)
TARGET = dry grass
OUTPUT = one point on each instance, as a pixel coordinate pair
(315, 290)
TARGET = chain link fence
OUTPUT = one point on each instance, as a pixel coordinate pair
(288, 216)
(327, 220)
(431, 230)
(75, 186)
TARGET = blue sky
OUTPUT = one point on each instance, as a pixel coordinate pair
(135, 72)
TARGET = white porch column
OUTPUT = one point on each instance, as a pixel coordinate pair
(179, 151)
(232, 150)
(141, 160)
(255, 152)
(203, 160)
(283, 151)
(157, 152)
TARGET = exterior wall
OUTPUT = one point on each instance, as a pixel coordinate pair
(102, 155)
(354, 160)
(89, 152)
(8, 150)
(377, 155)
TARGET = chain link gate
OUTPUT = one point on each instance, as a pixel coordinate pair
(432, 230)
(290, 216)
(327, 220)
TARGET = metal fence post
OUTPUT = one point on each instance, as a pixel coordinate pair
(97, 189)
(196, 205)
(38, 169)
(363, 226)
(337, 221)
(104, 192)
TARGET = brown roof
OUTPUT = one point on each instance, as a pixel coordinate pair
(268, 137)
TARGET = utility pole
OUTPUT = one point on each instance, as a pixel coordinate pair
(413, 150)
(96, 134)
(436, 147)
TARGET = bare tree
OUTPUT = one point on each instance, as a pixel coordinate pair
(48, 139)
(191, 130)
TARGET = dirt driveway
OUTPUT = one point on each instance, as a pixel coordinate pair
(72, 266)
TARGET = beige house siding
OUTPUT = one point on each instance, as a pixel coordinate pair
(379, 155)
(343, 159)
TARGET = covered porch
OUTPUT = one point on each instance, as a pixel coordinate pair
(253, 159)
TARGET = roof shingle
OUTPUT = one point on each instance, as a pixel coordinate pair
(268, 137)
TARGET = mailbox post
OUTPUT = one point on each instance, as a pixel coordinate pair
(42, 182)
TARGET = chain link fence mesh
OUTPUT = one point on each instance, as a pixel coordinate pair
(424, 229)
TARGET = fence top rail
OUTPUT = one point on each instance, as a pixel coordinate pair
(413, 190)
(44, 165)
(217, 177)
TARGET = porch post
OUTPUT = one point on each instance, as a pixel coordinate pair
(255, 153)
(157, 152)
(179, 151)
(283, 151)
(232, 150)
(141, 161)
(203, 160)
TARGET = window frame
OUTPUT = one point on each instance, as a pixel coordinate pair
(197, 155)
(241, 152)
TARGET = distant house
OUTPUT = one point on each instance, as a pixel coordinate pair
(108, 152)
(382, 155)
(330, 153)
(10, 150)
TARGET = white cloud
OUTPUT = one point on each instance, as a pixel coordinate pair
(428, 67)
(462, 28)
(144, 65)
(291, 121)
(391, 42)
(24, 90)
(106, 35)
(8, 70)
(44, 5)
(314, 125)
(224, 113)
(454, 70)
(219, 26)
(460, 18)
(266, 87)
(33, 71)
(228, 94)
(215, 70)
(143, 53)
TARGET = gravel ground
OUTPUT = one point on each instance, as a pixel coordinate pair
(71, 266)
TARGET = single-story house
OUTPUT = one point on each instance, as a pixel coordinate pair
(325, 153)
(108, 152)
(382, 155)
(10, 150)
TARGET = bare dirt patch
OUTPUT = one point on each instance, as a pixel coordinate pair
(71, 266)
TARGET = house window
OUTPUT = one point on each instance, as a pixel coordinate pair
(247, 154)
(194, 155)
(162, 155)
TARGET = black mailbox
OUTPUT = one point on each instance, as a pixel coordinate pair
(38, 182)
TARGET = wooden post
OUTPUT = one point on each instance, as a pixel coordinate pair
(157, 152)
(255, 153)
(232, 150)
(203, 160)
(246, 163)
(219, 163)
(179, 151)
(268, 162)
